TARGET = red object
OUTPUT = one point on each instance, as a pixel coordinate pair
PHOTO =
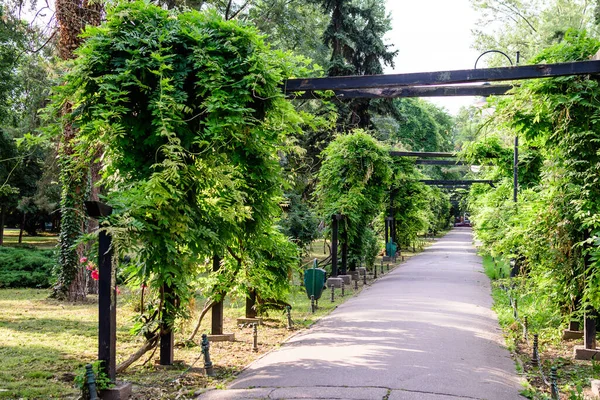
(83, 260)
(95, 275)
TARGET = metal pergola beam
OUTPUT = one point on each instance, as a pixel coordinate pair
(444, 77)
(406, 91)
(422, 154)
(440, 162)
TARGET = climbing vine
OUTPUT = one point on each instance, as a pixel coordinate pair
(190, 114)
(554, 227)
(353, 180)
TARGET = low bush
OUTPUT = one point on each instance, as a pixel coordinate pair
(26, 267)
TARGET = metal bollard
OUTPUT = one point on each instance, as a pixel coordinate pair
(255, 337)
(388, 267)
(356, 284)
(553, 384)
(343, 288)
(382, 271)
(374, 272)
(290, 324)
(208, 365)
(365, 278)
(90, 380)
(312, 304)
(535, 355)
(332, 293)
(515, 309)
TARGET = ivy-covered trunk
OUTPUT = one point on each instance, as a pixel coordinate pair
(72, 17)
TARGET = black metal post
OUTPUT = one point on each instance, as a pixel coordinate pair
(334, 243)
(217, 308)
(107, 307)
(345, 247)
(167, 339)
(90, 381)
(387, 233)
(516, 169)
(290, 324)
(208, 365)
(255, 337)
(554, 384)
(535, 354)
(250, 303)
(589, 330)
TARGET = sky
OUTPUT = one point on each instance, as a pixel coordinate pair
(433, 35)
(430, 35)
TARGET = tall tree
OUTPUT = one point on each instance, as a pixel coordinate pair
(528, 26)
(355, 37)
(72, 17)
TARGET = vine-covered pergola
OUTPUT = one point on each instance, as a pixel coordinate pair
(468, 82)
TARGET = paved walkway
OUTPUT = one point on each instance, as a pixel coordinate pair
(424, 331)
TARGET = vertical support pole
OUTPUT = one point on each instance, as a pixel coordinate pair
(250, 303)
(90, 381)
(208, 365)
(334, 244)
(167, 339)
(387, 230)
(345, 247)
(217, 308)
(107, 307)
(255, 337)
(516, 169)
(589, 330)
(535, 354)
(332, 293)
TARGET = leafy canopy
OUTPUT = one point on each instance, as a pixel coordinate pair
(187, 111)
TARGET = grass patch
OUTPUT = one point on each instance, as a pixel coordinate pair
(44, 240)
(44, 342)
(543, 318)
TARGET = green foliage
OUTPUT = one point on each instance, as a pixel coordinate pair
(417, 208)
(299, 223)
(554, 226)
(353, 179)
(189, 113)
(102, 379)
(528, 26)
(26, 268)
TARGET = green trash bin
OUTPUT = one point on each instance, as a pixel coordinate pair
(314, 281)
(390, 249)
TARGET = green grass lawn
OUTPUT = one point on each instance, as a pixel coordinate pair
(44, 240)
(44, 342)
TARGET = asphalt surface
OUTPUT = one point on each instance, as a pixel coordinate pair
(423, 331)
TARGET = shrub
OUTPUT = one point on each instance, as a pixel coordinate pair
(25, 267)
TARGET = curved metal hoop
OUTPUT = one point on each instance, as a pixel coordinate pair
(492, 51)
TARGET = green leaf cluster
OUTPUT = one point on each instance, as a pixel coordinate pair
(353, 180)
(553, 229)
(187, 114)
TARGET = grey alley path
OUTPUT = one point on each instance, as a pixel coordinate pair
(424, 331)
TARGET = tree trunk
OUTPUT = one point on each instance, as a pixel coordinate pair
(2, 218)
(22, 228)
(72, 17)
